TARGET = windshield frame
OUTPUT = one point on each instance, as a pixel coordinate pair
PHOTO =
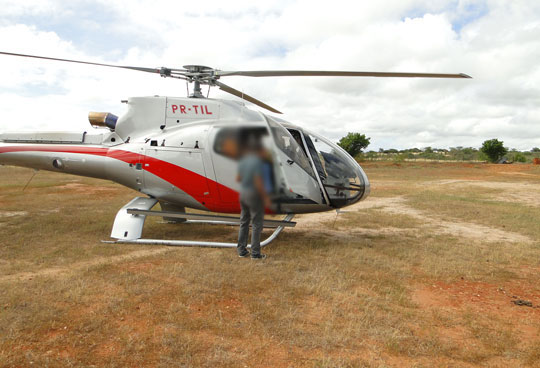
(358, 188)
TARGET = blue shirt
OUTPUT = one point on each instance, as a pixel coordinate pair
(249, 167)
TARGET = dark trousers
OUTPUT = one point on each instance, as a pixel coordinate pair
(252, 210)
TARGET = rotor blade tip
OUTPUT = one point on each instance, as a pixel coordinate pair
(463, 75)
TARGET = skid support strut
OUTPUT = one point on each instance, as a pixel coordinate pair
(128, 225)
(192, 243)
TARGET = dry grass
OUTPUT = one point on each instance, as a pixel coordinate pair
(375, 288)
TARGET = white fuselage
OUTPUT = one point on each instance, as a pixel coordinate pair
(167, 148)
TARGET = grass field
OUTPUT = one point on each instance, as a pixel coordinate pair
(425, 273)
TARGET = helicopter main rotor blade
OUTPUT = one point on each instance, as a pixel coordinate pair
(205, 75)
(243, 96)
(140, 69)
(327, 73)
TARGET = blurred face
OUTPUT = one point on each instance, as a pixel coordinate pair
(230, 147)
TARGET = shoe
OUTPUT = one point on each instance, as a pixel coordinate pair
(244, 255)
(259, 256)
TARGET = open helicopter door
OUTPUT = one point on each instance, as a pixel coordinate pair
(293, 169)
(342, 179)
(289, 176)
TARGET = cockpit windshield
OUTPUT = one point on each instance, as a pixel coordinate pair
(339, 175)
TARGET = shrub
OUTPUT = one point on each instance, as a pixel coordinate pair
(354, 143)
(493, 149)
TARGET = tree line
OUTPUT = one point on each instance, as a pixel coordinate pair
(492, 150)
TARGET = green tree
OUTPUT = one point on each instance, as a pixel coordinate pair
(493, 149)
(354, 143)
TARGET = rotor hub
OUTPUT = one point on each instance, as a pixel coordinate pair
(197, 68)
(199, 74)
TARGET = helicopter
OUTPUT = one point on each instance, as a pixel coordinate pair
(182, 152)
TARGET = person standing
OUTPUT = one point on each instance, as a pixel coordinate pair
(253, 200)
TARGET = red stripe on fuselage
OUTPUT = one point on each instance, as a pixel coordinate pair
(186, 180)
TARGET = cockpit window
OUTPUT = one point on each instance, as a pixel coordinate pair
(289, 146)
(339, 175)
(229, 142)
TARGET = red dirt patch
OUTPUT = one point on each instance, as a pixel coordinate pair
(481, 294)
(486, 300)
(228, 307)
(54, 334)
(108, 349)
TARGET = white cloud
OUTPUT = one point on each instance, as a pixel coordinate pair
(12, 8)
(497, 42)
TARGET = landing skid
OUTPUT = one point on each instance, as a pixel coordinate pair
(129, 223)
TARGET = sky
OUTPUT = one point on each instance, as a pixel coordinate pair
(497, 42)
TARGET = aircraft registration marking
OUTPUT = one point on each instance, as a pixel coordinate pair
(191, 110)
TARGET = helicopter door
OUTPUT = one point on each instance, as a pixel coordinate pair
(294, 167)
(227, 145)
(174, 173)
(342, 178)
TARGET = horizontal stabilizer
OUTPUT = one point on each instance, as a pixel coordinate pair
(51, 137)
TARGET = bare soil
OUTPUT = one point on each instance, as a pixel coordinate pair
(80, 266)
(439, 267)
(435, 224)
